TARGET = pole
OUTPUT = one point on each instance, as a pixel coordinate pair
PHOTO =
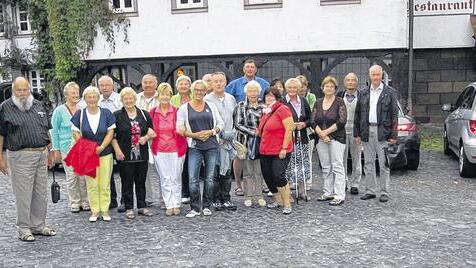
(410, 56)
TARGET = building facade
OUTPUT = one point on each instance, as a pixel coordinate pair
(288, 37)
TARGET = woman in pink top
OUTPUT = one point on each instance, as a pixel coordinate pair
(168, 149)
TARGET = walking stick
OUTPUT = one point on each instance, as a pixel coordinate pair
(302, 166)
(295, 170)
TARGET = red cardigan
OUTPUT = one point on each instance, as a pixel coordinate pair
(83, 157)
(181, 141)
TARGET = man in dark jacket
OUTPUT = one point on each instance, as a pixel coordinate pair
(375, 120)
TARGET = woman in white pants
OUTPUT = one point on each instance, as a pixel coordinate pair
(328, 120)
(168, 149)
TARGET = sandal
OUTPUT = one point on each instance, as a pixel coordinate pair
(145, 212)
(130, 214)
(47, 231)
(239, 192)
(26, 237)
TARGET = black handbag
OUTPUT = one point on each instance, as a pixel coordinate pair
(55, 189)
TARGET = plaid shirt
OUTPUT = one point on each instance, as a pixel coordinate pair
(247, 118)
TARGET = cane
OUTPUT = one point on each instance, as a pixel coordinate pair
(295, 170)
(302, 166)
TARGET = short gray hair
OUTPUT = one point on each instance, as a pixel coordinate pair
(252, 84)
(106, 77)
(183, 77)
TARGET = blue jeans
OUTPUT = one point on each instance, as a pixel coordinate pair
(195, 158)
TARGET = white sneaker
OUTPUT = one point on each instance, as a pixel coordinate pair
(93, 217)
(248, 203)
(192, 213)
(270, 194)
(207, 212)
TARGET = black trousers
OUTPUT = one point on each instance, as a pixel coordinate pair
(185, 188)
(221, 186)
(113, 189)
(133, 174)
(273, 170)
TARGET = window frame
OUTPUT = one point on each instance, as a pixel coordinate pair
(270, 4)
(177, 7)
(40, 80)
(339, 2)
(123, 10)
(19, 22)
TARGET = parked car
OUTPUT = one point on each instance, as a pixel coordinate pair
(406, 153)
(459, 132)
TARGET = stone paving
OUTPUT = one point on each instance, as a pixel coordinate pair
(429, 221)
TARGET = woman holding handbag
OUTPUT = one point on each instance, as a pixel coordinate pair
(134, 130)
(247, 117)
(168, 150)
(62, 140)
(275, 129)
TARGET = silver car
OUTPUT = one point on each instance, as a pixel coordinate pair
(459, 136)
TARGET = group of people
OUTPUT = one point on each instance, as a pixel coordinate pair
(261, 134)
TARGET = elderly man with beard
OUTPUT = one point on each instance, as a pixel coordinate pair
(24, 128)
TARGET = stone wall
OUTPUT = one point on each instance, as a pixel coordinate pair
(439, 77)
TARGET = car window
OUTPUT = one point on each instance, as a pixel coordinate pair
(460, 99)
(468, 99)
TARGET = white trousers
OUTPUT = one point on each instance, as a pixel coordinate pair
(330, 156)
(169, 167)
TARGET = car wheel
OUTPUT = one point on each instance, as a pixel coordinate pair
(466, 168)
(446, 145)
(413, 160)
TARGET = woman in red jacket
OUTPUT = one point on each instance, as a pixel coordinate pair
(275, 128)
(169, 150)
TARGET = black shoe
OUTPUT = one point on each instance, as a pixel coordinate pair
(113, 204)
(354, 190)
(217, 206)
(383, 198)
(229, 205)
(368, 196)
(121, 208)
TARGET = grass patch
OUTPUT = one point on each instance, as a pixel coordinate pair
(431, 137)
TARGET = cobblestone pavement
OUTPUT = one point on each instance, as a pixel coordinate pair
(429, 221)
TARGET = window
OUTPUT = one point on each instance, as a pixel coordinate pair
(338, 2)
(256, 4)
(189, 6)
(22, 19)
(124, 6)
(2, 19)
(36, 81)
(468, 99)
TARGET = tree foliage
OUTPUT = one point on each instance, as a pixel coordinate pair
(64, 32)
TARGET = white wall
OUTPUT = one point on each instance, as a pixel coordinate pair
(443, 32)
(300, 25)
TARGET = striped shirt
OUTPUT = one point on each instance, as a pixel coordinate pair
(28, 129)
(247, 117)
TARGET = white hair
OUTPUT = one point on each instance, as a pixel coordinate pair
(91, 89)
(105, 77)
(292, 80)
(183, 77)
(252, 84)
(376, 67)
